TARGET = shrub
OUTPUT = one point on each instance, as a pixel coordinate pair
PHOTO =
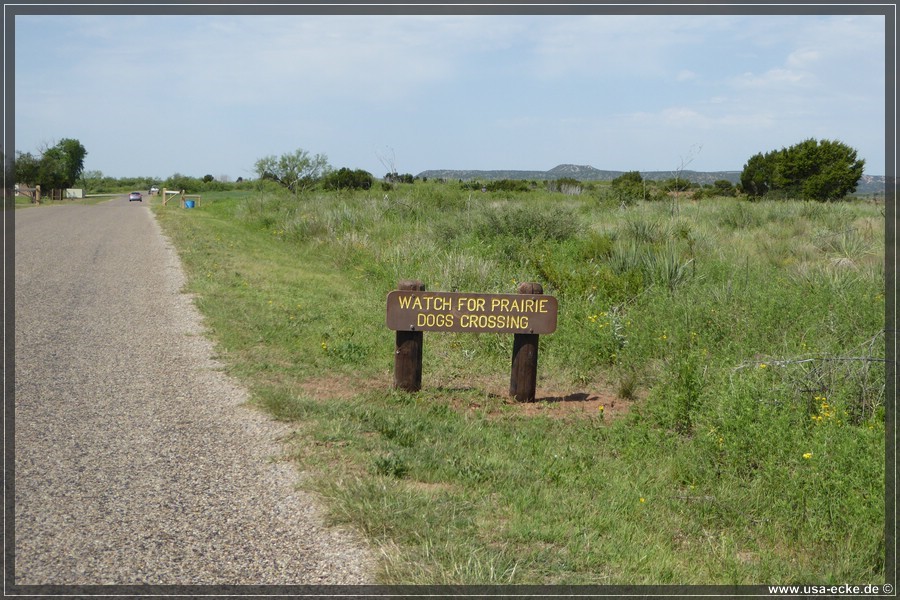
(598, 246)
(395, 177)
(508, 185)
(629, 187)
(346, 179)
(678, 184)
(723, 187)
(566, 185)
(183, 182)
(528, 224)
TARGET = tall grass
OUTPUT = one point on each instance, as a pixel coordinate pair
(746, 338)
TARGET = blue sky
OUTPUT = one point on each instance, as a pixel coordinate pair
(158, 95)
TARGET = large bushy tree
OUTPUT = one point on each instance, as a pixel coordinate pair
(27, 168)
(57, 167)
(295, 170)
(811, 170)
(179, 181)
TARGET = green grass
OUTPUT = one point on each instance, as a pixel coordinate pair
(745, 339)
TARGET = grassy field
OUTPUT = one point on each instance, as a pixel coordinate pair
(710, 408)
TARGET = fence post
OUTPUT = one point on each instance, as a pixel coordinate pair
(408, 351)
(523, 380)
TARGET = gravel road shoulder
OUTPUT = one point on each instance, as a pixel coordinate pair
(137, 458)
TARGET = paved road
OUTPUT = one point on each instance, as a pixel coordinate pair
(136, 460)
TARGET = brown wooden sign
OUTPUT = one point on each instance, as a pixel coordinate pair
(413, 310)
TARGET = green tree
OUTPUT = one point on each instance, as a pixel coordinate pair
(394, 177)
(830, 170)
(678, 184)
(74, 154)
(178, 181)
(507, 185)
(723, 187)
(58, 167)
(91, 179)
(628, 187)
(26, 168)
(757, 176)
(62, 165)
(52, 170)
(811, 170)
(345, 178)
(294, 170)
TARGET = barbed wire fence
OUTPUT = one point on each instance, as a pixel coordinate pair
(860, 375)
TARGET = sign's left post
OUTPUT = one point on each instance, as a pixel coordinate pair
(408, 350)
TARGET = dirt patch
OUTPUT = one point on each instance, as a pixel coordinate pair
(579, 404)
(485, 395)
(489, 397)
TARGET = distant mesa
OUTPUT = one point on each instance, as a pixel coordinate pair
(579, 172)
(869, 184)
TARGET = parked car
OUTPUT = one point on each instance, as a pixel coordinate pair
(135, 196)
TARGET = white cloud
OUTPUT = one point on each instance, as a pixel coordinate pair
(729, 120)
(635, 45)
(803, 57)
(827, 52)
(683, 117)
(270, 59)
(379, 57)
(774, 79)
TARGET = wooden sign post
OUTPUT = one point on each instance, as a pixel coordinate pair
(411, 310)
(523, 380)
(408, 350)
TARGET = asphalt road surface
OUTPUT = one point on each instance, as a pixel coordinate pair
(136, 458)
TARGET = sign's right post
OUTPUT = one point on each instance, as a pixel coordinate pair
(523, 380)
